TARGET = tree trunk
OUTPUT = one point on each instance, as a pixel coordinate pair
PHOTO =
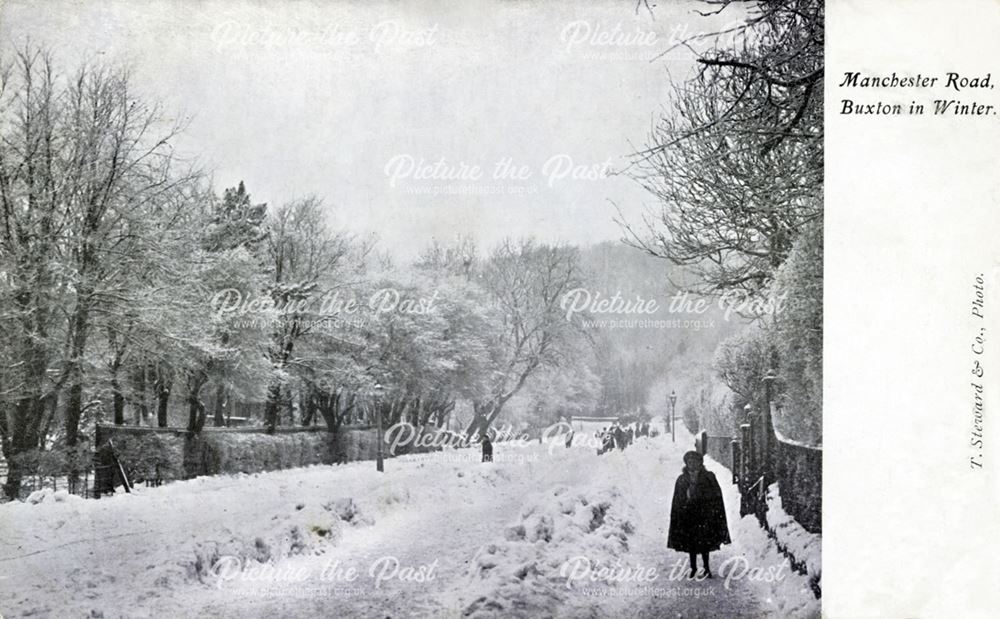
(20, 427)
(80, 325)
(307, 404)
(483, 414)
(74, 407)
(344, 411)
(288, 403)
(272, 407)
(327, 404)
(118, 400)
(74, 410)
(43, 434)
(396, 409)
(220, 405)
(417, 411)
(21, 437)
(162, 388)
(140, 402)
(196, 409)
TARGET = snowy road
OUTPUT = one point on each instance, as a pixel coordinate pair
(449, 531)
(434, 536)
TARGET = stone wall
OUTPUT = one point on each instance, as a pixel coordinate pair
(800, 482)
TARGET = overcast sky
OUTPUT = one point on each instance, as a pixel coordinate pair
(344, 100)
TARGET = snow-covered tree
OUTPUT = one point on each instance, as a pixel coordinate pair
(736, 162)
(86, 168)
(526, 282)
(305, 257)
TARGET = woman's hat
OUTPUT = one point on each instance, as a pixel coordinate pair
(693, 455)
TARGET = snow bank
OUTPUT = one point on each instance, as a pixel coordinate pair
(302, 529)
(117, 553)
(803, 546)
(527, 574)
(48, 495)
(790, 596)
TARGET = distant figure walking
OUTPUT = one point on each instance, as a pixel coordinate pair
(607, 441)
(697, 513)
(487, 447)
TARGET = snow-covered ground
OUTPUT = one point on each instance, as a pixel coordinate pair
(806, 547)
(544, 531)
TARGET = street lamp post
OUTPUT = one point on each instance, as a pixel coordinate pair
(378, 424)
(673, 416)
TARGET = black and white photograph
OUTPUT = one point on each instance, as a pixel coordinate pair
(411, 309)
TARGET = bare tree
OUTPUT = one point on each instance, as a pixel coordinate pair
(32, 214)
(736, 163)
(526, 282)
(456, 258)
(85, 165)
(302, 254)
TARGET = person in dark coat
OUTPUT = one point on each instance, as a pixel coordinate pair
(619, 437)
(487, 447)
(697, 513)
